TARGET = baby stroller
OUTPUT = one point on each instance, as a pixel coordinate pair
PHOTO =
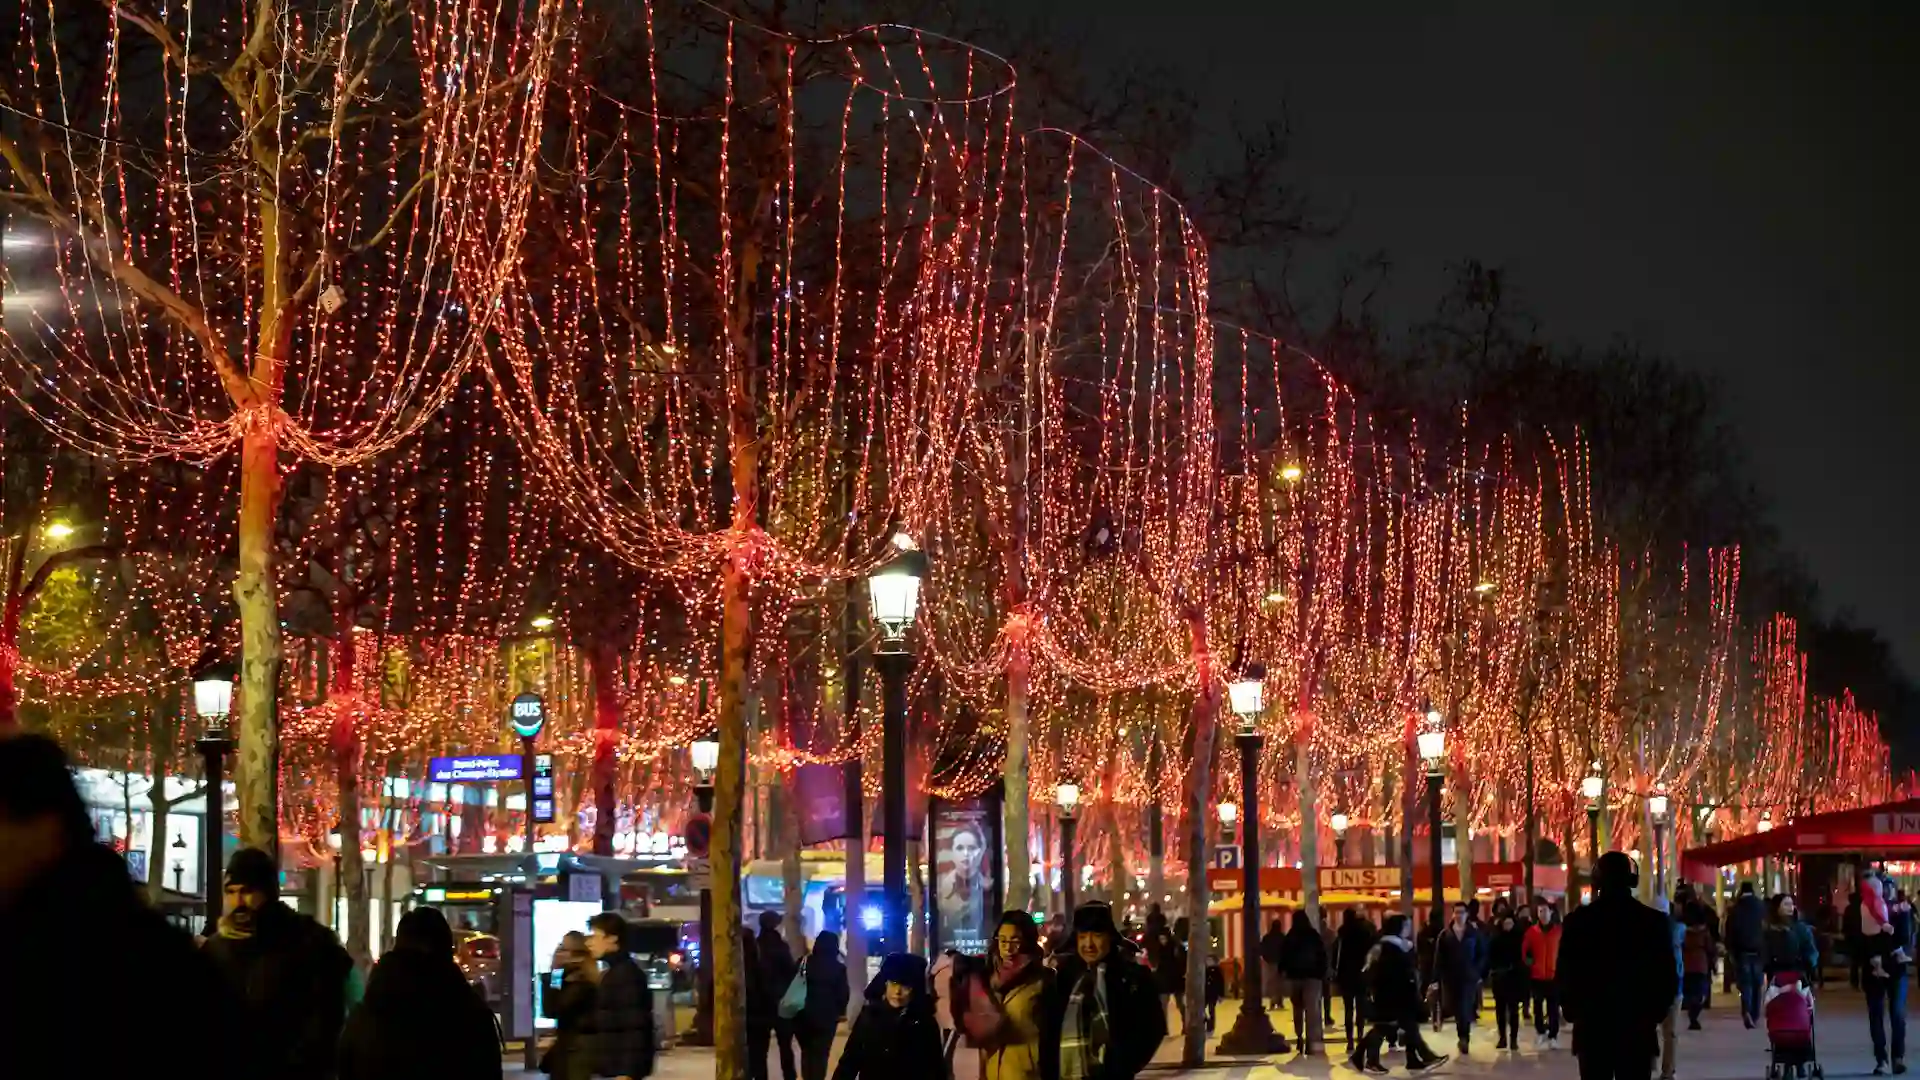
(1789, 1012)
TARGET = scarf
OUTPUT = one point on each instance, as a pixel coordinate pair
(1084, 1040)
(1010, 971)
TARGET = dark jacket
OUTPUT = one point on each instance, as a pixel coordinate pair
(1168, 955)
(1617, 976)
(99, 982)
(777, 964)
(1303, 955)
(762, 1001)
(419, 1018)
(827, 995)
(291, 976)
(1747, 926)
(571, 1010)
(1273, 945)
(1135, 1022)
(1789, 947)
(1350, 948)
(1460, 959)
(1504, 962)
(887, 1042)
(623, 1020)
(1393, 985)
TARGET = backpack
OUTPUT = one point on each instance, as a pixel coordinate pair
(794, 1000)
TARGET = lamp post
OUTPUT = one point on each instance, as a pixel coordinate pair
(1339, 823)
(895, 591)
(1657, 809)
(1252, 1032)
(336, 840)
(1433, 751)
(1229, 812)
(704, 756)
(1593, 787)
(213, 701)
(1066, 795)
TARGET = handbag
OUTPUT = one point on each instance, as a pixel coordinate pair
(794, 1001)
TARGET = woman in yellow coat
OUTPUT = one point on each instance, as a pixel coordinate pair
(1017, 982)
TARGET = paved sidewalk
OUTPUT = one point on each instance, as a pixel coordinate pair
(1723, 1051)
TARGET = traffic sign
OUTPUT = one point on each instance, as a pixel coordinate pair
(529, 715)
(698, 834)
(1226, 857)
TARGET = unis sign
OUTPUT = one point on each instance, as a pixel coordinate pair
(490, 769)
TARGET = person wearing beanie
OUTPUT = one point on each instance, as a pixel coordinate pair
(1101, 1019)
(293, 977)
(95, 978)
(420, 1017)
(896, 1034)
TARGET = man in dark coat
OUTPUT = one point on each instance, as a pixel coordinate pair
(777, 968)
(1460, 956)
(1101, 1019)
(95, 980)
(1746, 949)
(623, 1011)
(291, 973)
(420, 1016)
(1617, 976)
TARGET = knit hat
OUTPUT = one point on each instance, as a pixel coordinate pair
(1094, 917)
(251, 868)
(905, 969)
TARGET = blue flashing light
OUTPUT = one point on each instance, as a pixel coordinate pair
(872, 918)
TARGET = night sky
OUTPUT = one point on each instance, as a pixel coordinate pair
(1735, 191)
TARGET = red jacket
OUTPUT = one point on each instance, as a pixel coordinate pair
(1541, 951)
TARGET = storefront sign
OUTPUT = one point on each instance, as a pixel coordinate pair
(490, 769)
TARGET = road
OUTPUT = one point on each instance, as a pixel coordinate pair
(1723, 1051)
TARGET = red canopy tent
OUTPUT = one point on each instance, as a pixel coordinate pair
(1889, 830)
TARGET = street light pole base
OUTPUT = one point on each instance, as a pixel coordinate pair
(1252, 1034)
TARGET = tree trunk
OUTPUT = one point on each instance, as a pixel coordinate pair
(10, 636)
(604, 666)
(917, 898)
(1206, 709)
(792, 886)
(1015, 821)
(1309, 825)
(1463, 825)
(257, 767)
(347, 750)
(729, 992)
(1156, 827)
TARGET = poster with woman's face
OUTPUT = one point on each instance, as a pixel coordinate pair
(961, 869)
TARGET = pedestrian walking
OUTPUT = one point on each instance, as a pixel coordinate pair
(777, 969)
(1350, 948)
(1617, 975)
(1167, 956)
(623, 1035)
(1669, 1038)
(1856, 944)
(1746, 941)
(1787, 942)
(1272, 979)
(1101, 1020)
(895, 1035)
(1507, 970)
(82, 950)
(420, 1017)
(1886, 989)
(292, 974)
(1696, 963)
(1303, 961)
(1459, 958)
(1540, 949)
(1524, 921)
(761, 1005)
(1017, 985)
(1329, 937)
(828, 992)
(570, 1007)
(1394, 1002)
(1215, 990)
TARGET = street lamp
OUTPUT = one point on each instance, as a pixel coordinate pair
(1252, 1032)
(1066, 795)
(1339, 823)
(704, 756)
(1593, 787)
(542, 622)
(213, 703)
(894, 589)
(1229, 813)
(1433, 751)
(1657, 809)
(336, 840)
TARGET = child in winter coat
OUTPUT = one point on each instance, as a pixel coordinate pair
(896, 1034)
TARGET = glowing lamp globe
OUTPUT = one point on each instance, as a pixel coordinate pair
(1229, 813)
(706, 756)
(213, 699)
(894, 590)
(1766, 823)
(1593, 787)
(1339, 823)
(1245, 697)
(1066, 795)
(1657, 806)
(1433, 745)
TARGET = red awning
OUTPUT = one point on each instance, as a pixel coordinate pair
(1887, 829)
